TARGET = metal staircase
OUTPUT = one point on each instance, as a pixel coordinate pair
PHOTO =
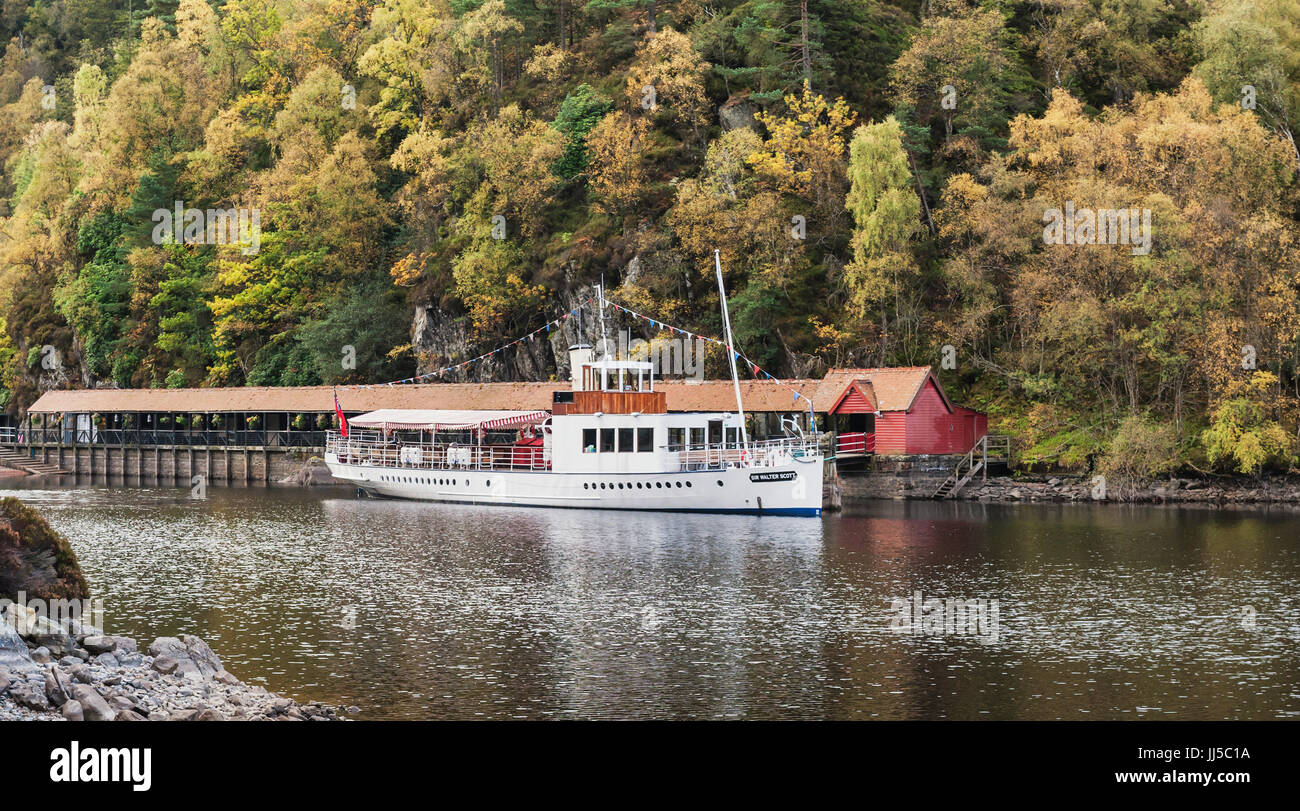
(973, 463)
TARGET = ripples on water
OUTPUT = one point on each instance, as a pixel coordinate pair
(412, 610)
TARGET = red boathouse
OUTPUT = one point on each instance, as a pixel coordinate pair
(901, 411)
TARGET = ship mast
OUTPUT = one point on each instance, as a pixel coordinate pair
(731, 351)
(604, 342)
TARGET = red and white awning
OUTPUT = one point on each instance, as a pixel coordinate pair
(409, 420)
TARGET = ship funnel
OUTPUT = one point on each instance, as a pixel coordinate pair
(580, 356)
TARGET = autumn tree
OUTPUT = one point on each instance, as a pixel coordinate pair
(1251, 57)
(887, 213)
(618, 172)
(958, 70)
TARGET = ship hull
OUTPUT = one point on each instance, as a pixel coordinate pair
(791, 489)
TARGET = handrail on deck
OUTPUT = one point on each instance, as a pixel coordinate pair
(372, 450)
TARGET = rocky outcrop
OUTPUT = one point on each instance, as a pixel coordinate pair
(13, 650)
(34, 558)
(179, 679)
(439, 338)
(738, 113)
(1225, 492)
(189, 658)
(312, 473)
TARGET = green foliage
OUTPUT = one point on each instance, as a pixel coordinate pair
(581, 111)
(1242, 436)
(1141, 448)
(368, 318)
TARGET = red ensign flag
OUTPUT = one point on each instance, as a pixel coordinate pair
(343, 421)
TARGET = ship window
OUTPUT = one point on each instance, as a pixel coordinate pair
(719, 482)
(645, 440)
(688, 484)
(697, 436)
(638, 485)
(715, 432)
(588, 440)
(606, 440)
(676, 438)
(679, 484)
(659, 484)
(625, 440)
(733, 437)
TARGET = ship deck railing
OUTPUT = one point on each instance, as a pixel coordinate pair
(376, 451)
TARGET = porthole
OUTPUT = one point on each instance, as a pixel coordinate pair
(659, 484)
(602, 485)
(688, 484)
(638, 485)
(488, 483)
(719, 482)
(679, 484)
(584, 485)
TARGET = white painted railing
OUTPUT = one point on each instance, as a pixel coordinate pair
(370, 449)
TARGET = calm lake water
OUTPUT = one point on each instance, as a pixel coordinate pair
(415, 611)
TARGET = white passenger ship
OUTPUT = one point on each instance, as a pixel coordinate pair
(609, 443)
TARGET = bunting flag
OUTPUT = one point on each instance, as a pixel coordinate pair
(655, 323)
(758, 371)
(457, 366)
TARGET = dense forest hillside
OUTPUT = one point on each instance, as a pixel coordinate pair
(1082, 212)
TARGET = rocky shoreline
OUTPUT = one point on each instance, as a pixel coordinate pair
(1226, 492)
(79, 673)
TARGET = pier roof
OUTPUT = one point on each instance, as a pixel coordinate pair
(894, 388)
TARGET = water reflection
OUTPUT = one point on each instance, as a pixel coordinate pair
(429, 611)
